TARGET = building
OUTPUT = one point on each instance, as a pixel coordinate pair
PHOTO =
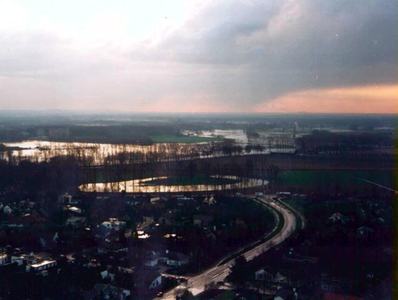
(339, 218)
(202, 220)
(113, 224)
(330, 284)
(35, 262)
(3, 258)
(76, 221)
(7, 210)
(111, 292)
(176, 259)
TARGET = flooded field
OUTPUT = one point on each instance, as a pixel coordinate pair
(102, 153)
(145, 186)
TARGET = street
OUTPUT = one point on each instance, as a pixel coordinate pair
(196, 284)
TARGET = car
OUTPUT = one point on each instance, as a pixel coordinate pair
(160, 294)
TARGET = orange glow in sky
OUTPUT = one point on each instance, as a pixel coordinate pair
(359, 99)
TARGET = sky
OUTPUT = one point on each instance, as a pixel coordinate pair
(232, 56)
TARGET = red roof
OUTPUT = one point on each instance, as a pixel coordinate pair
(332, 296)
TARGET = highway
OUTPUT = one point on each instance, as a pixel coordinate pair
(196, 284)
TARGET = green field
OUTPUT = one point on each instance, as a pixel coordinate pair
(343, 178)
(183, 139)
(196, 180)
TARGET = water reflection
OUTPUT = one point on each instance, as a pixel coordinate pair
(97, 154)
(140, 186)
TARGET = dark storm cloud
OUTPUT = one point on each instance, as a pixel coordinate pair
(270, 48)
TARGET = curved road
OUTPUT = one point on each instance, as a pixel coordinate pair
(196, 284)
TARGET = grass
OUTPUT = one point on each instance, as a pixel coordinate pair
(329, 177)
(183, 139)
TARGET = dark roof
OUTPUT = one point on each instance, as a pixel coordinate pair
(285, 294)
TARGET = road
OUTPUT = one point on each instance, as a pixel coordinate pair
(196, 284)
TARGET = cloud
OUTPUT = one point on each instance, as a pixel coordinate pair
(362, 99)
(228, 55)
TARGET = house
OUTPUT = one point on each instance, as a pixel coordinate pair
(339, 218)
(113, 224)
(92, 264)
(285, 195)
(263, 275)
(111, 292)
(157, 200)
(185, 201)
(76, 221)
(42, 265)
(271, 276)
(330, 284)
(176, 259)
(152, 259)
(147, 279)
(3, 258)
(7, 210)
(209, 200)
(112, 248)
(26, 220)
(65, 198)
(107, 275)
(132, 201)
(35, 262)
(364, 232)
(202, 220)
(75, 209)
(167, 218)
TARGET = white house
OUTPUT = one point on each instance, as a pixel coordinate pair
(42, 265)
(157, 281)
(339, 218)
(109, 291)
(152, 259)
(107, 275)
(263, 275)
(75, 209)
(114, 224)
(3, 259)
(176, 259)
(7, 210)
(65, 198)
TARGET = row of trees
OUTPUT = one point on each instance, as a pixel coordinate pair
(97, 154)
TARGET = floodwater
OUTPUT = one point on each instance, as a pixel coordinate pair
(43, 150)
(93, 153)
(139, 186)
(238, 135)
(98, 153)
